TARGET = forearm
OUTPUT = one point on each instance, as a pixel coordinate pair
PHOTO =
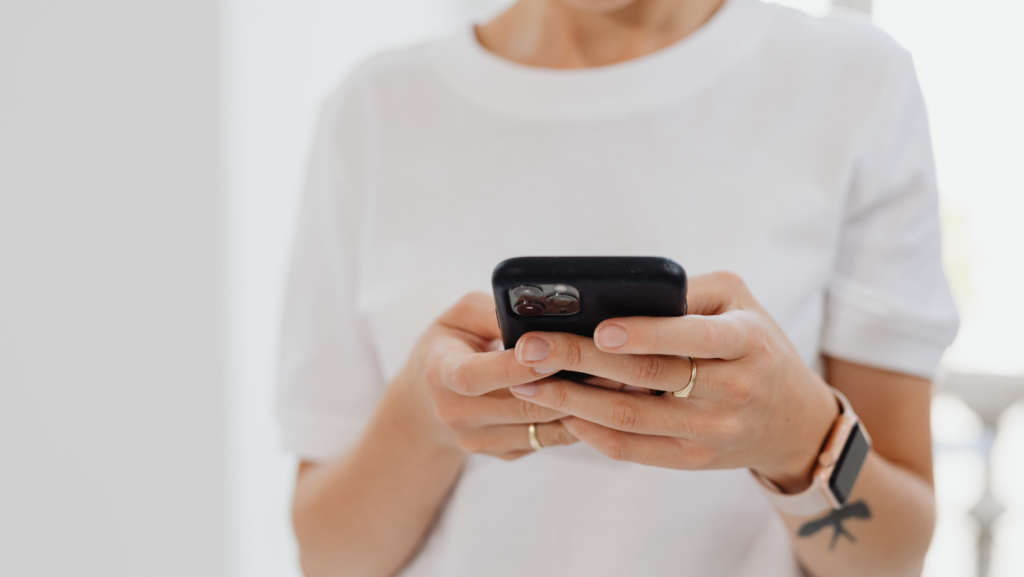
(883, 530)
(365, 514)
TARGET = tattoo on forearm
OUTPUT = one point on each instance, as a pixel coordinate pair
(835, 519)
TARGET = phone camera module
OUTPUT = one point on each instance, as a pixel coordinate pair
(545, 299)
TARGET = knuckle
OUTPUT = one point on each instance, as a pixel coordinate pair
(646, 369)
(615, 450)
(573, 353)
(460, 380)
(432, 372)
(562, 436)
(532, 412)
(687, 428)
(471, 444)
(743, 393)
(742, 389)
(508, 374)
(696, 457)
(730, 427)
(651, 336)
(703, 458)
(558, 396)
(758, 341)
(624, 415)
(730, 279)
(450, 416)
(714, 336)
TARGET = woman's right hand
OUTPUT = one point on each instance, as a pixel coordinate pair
(457, 382)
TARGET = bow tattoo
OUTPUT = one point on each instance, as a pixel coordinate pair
(858, 510)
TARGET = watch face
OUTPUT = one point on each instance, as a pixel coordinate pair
(846, 471)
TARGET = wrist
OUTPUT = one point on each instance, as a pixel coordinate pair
(791, 471)
(410, 417)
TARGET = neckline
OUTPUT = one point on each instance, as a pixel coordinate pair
(621, 89)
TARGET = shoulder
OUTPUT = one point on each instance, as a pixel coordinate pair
(393, 74)
(842, 45)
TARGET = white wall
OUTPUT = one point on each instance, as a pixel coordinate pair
(111, 331)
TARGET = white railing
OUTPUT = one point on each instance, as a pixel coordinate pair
(989, 396)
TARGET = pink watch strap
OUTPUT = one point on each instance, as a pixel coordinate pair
(817, 498)
(813, 500)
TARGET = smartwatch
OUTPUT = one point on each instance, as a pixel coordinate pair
(835, 471)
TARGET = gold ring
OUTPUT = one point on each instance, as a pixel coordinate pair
(534, 441)
(685, 391)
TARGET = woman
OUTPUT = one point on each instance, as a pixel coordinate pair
(729, 136)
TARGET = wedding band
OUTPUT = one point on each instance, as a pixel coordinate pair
(534, 441)
(685, 391)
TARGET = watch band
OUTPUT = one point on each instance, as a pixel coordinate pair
(813, 500)
(819, 497)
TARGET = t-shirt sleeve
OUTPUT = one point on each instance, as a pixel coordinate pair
(329, 382)
(888, 302)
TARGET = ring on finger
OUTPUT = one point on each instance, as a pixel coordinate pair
(534, 440)
(685, 391)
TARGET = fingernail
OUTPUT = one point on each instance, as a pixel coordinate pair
(527, 390)
(534, 350)
(545, 370)
(611, 336)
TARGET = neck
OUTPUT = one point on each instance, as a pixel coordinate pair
(554, 34)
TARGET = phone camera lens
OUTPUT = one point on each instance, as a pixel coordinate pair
(529, 308)
(562, 300)
(526, 291)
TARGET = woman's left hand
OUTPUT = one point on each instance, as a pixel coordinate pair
(754, 403)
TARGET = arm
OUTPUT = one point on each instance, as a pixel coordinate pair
(362, 514)
(365, 513)
(887, 524)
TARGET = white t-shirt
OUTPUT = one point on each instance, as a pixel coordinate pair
(793, 151)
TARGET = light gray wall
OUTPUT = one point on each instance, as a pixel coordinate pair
(111, 332)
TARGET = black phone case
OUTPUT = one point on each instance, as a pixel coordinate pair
(610, 287)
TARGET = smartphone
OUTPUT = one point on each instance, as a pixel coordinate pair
(574, 294)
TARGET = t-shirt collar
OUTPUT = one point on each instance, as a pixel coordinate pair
(623, 89)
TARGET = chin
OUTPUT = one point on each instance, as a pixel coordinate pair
(598, 5)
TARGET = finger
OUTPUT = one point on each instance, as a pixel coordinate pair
(473, 374)
(551, 435)
(497, 408)
(716, 293)
(729, 335)
(644, 414)
(547, 352)
(651, 450)
(614, 385)
(473, 313)
(504, 439)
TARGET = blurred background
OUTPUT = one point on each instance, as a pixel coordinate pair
(151, 156)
